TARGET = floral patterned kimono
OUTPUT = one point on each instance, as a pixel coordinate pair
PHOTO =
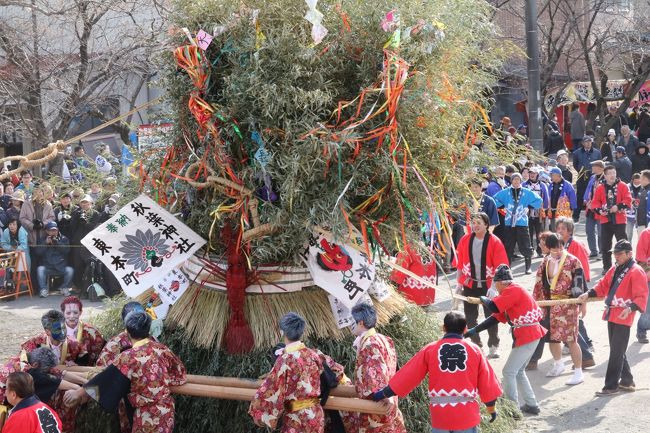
(152, 368)
(114, 346)
(91, 341)
(376, 365)
(292, 390)
(554, 281)
(68, 352)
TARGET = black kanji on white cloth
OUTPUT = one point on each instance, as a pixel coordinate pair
(452, 357)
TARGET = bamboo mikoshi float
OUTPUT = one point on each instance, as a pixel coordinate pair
(343, 397)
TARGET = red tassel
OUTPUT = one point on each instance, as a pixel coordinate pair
(238, 337)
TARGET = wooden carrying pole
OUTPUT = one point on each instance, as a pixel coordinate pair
(571, 301)
(247, 394)
(346, 391)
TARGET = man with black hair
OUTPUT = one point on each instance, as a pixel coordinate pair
(479, 253)
(293, 397)
(515, 306)
(484, 203)
(29, 414)
(376, 363)
(611, 199)
(625, 289)
(143, 374)
(455, 366)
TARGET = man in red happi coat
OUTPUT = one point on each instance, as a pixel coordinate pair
(459, 375)
(479, 253)
(29, 414)
(625, 289)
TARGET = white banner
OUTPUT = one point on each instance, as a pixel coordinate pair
(343, 314)
(172, 286)
(141, 244)
(340, 269)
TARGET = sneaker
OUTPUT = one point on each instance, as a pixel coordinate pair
(65, 292)
(557, 370)
(533, 410)
(627, 388)
(577, 378)
(586, 363)
(44, 293)
(494, 352)
(532, 365)
(643, 340)
(606, 392)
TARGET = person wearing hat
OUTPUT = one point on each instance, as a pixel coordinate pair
(515, 306)
(623, 165)
(640, 158)
(452, 364)
(608, 147)
(84, 220)
(625, 289)
(616, 120)
(611, 200)
(592, 223)
(63, 214)
(52, 249)
(37, 212)
(536, 217)
(516, 201)
(562, 197)
(583, 156)
(17, 200)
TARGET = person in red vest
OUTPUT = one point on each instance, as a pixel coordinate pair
(625, 289)
(515, 306)
(611, 200)
(643, 260)
(479, 253)
(29, 414)
(459, 375)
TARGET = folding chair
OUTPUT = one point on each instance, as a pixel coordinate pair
(16, 260)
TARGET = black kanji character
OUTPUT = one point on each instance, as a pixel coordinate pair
(169, 230)
(138, 208)
(352, 286)
(452, 357)
(184, 245)
(154, 219)
(47, 421)
(118, 262)
(101, 246)
(129, 278)
(364, 271)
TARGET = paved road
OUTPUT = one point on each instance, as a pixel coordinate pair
(573, 409)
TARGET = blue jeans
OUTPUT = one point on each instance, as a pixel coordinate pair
(469, 430)
(43, 273)
(641, 330)
(592, 229)
(514, 374)
(584, 341)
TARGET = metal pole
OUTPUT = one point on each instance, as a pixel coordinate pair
(535, 133)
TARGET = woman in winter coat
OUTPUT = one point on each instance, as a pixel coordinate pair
(37, 212)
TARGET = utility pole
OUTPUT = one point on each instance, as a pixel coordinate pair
(535, 133)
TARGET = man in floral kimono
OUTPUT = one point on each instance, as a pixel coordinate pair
(145, 374)
(291, 390)
(376, 364)
(66, 351)
(113, 348)
(89, 337)
(560, 276)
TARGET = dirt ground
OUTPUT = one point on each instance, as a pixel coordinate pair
(563, 408)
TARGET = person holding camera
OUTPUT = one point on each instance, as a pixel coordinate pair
(53, 250)
(36, 213)
(63, 215)
(84, 220)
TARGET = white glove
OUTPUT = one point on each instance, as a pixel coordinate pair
(492, 293)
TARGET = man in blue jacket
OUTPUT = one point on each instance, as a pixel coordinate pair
(517, 201)
(53, 250)
(484, 202)
(582, 159)
(562, 197)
